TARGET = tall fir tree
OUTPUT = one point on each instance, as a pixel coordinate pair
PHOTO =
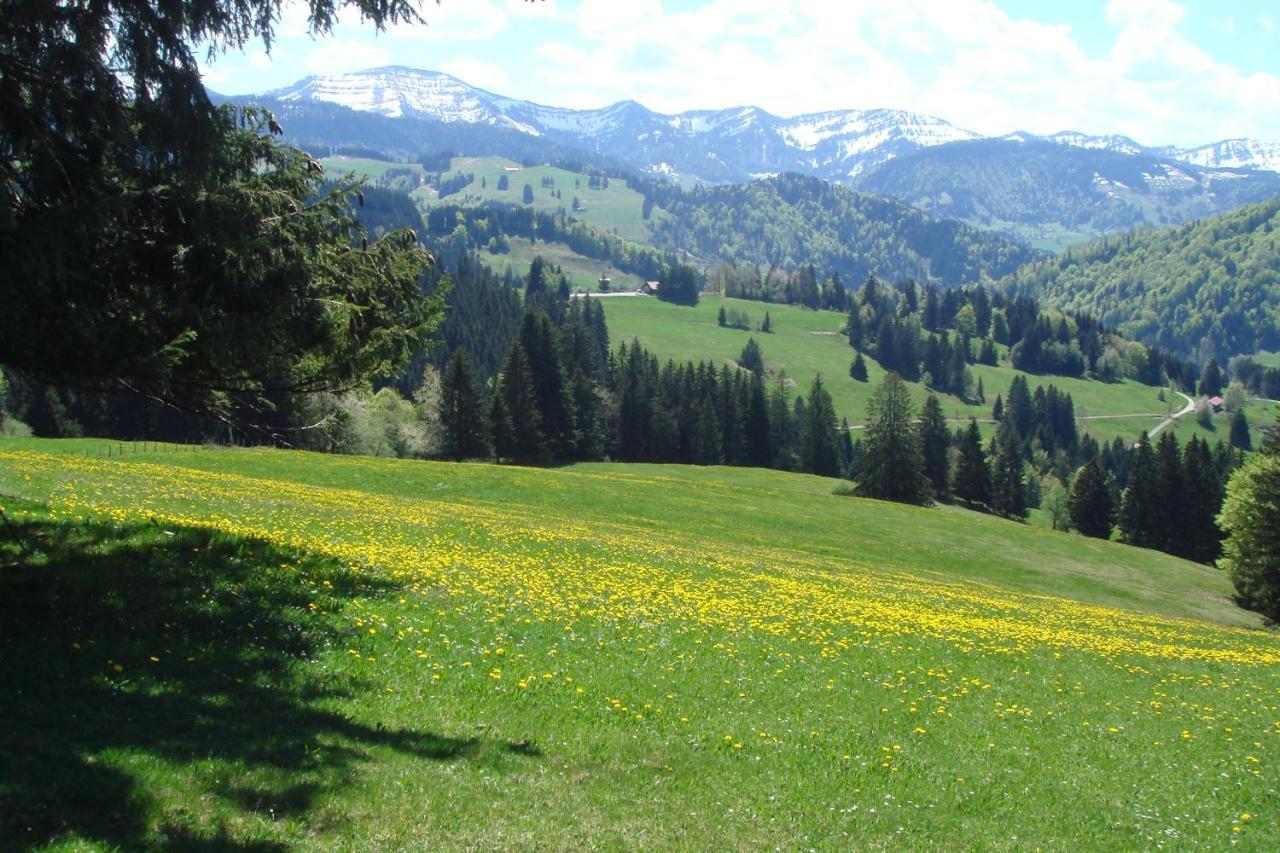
(1142, 504)
(519, 416)
(892, 468)
(755, 429)
(540, 342)
(1008, 478)
(462, 413)
(972, 483)
(1092, 502)
(1239, 437)
(821, 454)
(1018, 407)
(935, 446)
(1172, 489)
(1202, 539)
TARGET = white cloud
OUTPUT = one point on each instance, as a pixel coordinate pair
(967, 61)
(332, 56)
(259, 60)
(455, 20)
(216, 75)
(477, 72)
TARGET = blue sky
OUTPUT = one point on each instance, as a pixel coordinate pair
(1160, 71)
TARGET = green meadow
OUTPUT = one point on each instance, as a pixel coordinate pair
(616, 208)
(805, 343)
(256, 649)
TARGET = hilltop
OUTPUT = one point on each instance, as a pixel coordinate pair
(1207, 288)
(1056, 194)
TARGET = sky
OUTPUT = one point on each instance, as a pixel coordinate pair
(1159, 71)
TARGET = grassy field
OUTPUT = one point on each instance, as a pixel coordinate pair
(583, 272)
(1260, 414)
(805, 343)
(616, 208)
(261, 648)
(336, 167)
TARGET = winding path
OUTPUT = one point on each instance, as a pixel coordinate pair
(1185, 410)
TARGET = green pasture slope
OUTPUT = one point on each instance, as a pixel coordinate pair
(363, 167)
(583, 272)
(805, 343)
(616, 208)
(253, 649)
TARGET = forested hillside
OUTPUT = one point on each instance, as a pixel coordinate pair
(792, 220)
(1054, 192)
(1206, 289)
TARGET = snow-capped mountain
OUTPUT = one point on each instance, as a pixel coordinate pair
(707, 145)
(703, 145)
(1235, 153)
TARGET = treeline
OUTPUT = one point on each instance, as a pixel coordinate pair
(933, 336)
(1208, 288)
(1167, 499)
(562, 395)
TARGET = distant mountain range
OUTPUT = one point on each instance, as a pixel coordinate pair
(1051, 191)
(712, 146)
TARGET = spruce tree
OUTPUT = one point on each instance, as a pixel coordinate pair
(525, 442)
(1169, 474)
(892, 468)
(1092, 503)
(1211, 379)
(767, 326)
(751, 358)
(1239, 437)
(997, 410)
(779, 423)
(721, 320)
(462, 417)
(540, 343)
(1018, 408)
(1142, 503)
(1008, 480)
(705, 440)
(854, 328)
(820, 453)
(858, 369)
(845, 444)
(756, 426)
(935, 446)
(1201, 539)
(972, 483)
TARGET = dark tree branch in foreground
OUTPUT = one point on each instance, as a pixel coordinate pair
(154, 243)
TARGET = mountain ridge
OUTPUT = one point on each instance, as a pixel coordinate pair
(838, 145)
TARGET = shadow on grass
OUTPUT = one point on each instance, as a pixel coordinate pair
(182, 655)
